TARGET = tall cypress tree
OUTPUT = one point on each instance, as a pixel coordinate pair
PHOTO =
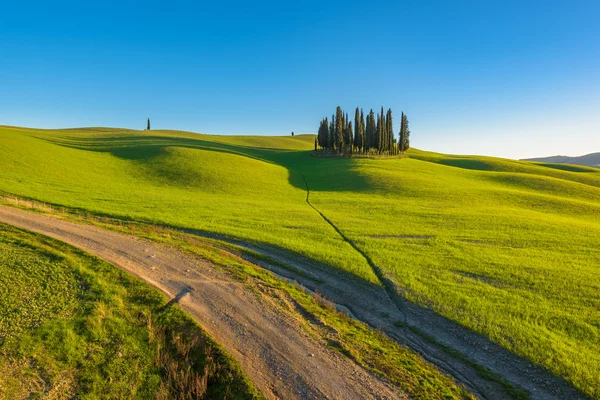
(331, 134)
(390, 130)
(406, 143)
(383, 133)
(362, 130)
(323, 133)
(356, 128)
(319, 132)
(373, 132)
(368, 134)
(350, 136)
(377, 143)
(346, 133)
(339, 129)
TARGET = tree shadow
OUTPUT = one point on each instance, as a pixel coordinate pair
(326, 174)
(175, 300)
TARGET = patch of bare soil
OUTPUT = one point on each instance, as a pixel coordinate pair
(280, 357)
(454, 349)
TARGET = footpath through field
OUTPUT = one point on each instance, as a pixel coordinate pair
(280, 358)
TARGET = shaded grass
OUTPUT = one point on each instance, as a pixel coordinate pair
(75, 326)
(369, 348)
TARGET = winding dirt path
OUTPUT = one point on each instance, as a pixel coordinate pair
(383, 306)
(272, 348)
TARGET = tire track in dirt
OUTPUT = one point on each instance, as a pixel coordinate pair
(275, 352)
(536, 381)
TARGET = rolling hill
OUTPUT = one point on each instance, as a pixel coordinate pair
(505, 248)
(589, 160)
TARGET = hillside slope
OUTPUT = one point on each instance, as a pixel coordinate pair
(506, 248)
(589, 160)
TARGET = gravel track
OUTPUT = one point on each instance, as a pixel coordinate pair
(280, 358)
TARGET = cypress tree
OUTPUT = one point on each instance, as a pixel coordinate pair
(350, 136)
(315, 143)
(320, 132)
(331, 133)
(390, 130)
(367, 145)
(148, 128)
(383, 133)
(356, 127)
(367, 142)
(406, 143)
(339, 129)
(373, 132)
(362, 130)
(377, 143)
(323, 133)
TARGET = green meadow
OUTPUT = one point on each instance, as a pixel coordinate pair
(506, 248)
(73, 326)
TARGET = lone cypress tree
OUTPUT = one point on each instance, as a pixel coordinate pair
(148, 127)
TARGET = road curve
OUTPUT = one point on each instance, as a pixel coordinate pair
(279, 357)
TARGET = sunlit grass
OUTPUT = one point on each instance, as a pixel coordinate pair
(506, 248)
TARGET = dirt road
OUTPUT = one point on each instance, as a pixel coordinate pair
(280, 358)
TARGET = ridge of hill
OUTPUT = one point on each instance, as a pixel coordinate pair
(589, 160)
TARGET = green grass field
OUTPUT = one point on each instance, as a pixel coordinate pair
(73, 326)
(506, 248)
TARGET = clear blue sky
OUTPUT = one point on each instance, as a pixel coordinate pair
(508, 78)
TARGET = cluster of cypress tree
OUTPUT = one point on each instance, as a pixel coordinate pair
(376, 136)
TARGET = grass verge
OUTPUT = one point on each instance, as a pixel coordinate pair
(72, 325)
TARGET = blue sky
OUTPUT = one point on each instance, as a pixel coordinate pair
(506, 78)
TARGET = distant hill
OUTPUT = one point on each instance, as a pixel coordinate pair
(589, 160)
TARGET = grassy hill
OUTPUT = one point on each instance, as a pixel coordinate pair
(506, 248)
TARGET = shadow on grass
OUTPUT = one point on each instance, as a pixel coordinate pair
(569, 167)
(324, 172)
